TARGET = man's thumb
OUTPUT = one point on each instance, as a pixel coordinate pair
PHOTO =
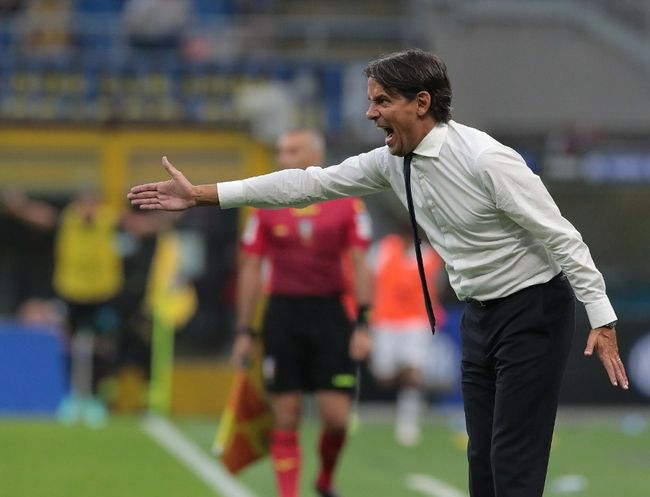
(169, 167)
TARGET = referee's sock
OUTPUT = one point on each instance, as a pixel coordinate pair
(285, 453)
(329, 448)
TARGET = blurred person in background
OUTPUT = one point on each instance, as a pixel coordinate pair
(88, 276)
(156, 27)
(47, 28)
(509, 252)
(309, 341)
(402, 340)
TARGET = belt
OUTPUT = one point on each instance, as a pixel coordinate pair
(485, 303)
(491, 302)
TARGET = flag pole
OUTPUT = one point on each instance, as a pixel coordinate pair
(162, 364)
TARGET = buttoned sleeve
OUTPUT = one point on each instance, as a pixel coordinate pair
(359, 175)
(521, 195)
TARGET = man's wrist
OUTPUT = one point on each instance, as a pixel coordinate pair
(206, 194)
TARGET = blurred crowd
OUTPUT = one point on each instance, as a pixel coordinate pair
(60, 29)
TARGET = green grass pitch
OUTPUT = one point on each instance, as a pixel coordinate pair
(46, 459)
(590, 458)
(39, 458)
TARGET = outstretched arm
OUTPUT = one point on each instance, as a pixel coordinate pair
(39, 214)
(358, 175)
(175, 194)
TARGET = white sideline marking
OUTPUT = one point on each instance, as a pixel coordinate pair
(209, 470)
(432, 486)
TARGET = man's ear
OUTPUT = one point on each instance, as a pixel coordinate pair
(423, 99)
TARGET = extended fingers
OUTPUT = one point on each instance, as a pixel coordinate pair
(143, 195)
(615, 368)
(610, 350)
(151, 207)
(610, 367)
(604, 342)
(146, 199)
(616, 371)
(147, 187)
(621, 375)
(147, 203)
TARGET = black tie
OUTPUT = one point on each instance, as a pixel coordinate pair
(417, 241)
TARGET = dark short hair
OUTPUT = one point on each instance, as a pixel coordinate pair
(412, 71)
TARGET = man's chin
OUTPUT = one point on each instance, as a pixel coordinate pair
(396, 152)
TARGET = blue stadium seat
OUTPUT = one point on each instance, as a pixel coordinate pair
(331, 78)
(99, 6)
(213, 7)
(98, 14)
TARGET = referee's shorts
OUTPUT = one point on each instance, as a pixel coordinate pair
(306, 345)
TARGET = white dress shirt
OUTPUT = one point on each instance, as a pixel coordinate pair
(484, 211)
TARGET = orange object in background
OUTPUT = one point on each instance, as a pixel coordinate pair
(398, 293)
(245, 426)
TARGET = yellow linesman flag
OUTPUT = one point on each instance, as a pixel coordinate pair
(245, 426)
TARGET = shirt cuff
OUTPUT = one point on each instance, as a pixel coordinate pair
(231, 194)
(600, 313)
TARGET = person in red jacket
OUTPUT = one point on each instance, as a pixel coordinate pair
(310, 345)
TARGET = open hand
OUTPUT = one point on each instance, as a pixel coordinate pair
(175, 194)
(603, 341)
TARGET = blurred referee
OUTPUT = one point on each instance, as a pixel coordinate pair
(309, 341)
(509, 252)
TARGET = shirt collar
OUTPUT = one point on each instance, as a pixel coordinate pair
(432, 143)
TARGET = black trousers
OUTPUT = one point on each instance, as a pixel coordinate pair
(514, 355)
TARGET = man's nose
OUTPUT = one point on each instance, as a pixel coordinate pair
(372, 113)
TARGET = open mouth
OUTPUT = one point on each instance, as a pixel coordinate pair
(388, 132)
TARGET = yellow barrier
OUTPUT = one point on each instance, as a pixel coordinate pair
(200, 387)
(54, 160)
